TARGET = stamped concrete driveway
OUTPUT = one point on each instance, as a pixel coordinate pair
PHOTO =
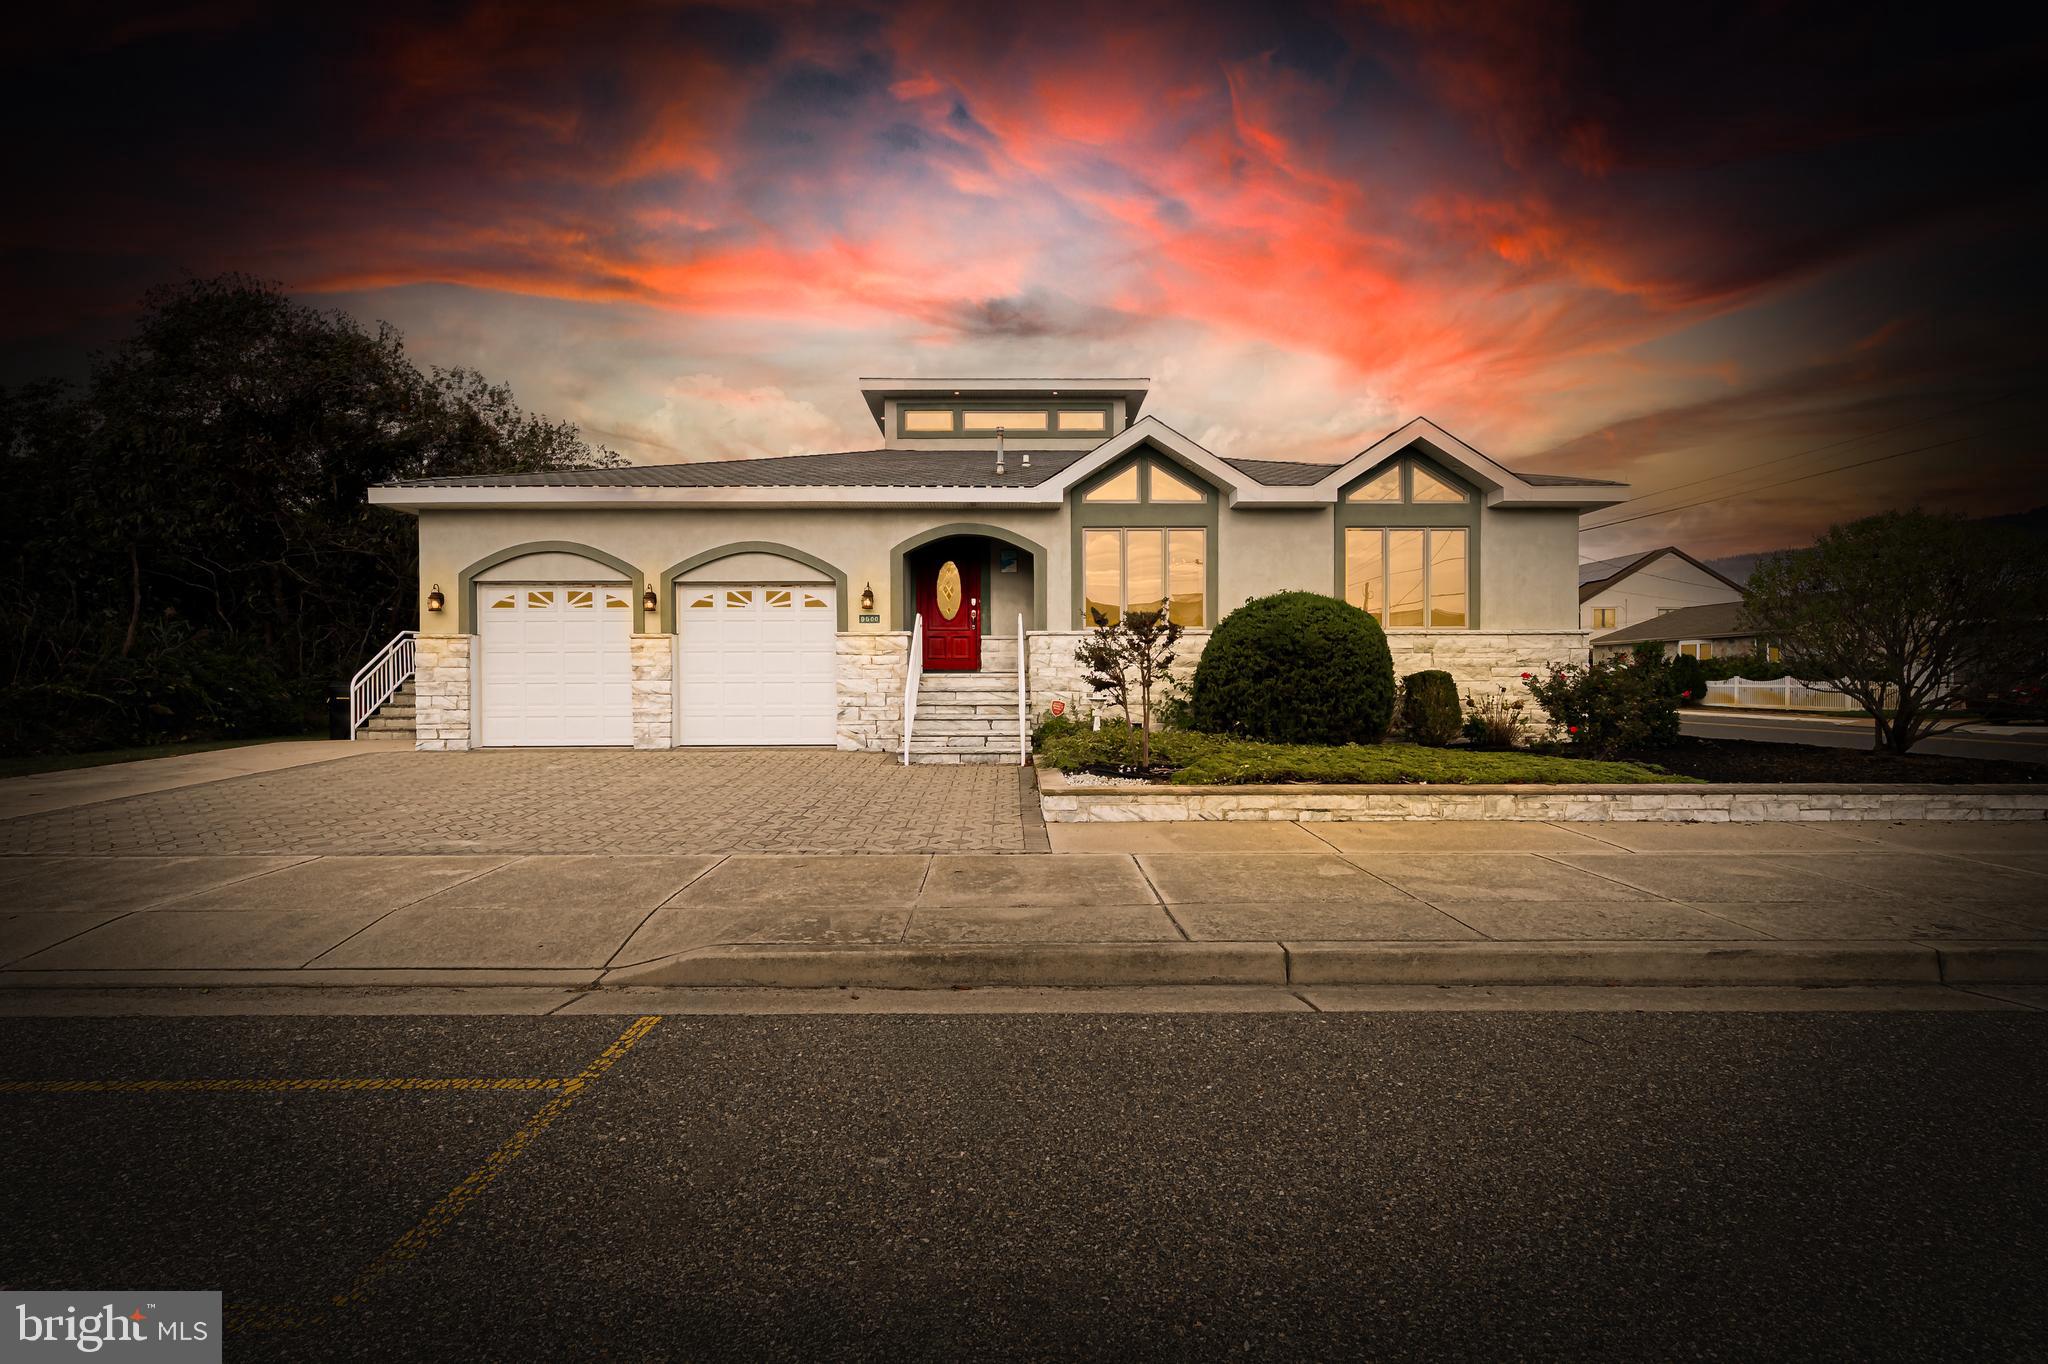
(563, 801)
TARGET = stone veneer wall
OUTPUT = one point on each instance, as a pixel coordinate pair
(1063, 803)
(872, 672)
(654, 691)
(1053, 675)
(441, 686)
(1478, 659)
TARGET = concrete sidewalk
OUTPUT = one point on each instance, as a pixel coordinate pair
(42, 792)
(1168, 905)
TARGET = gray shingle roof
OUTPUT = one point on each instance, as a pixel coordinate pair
(1281, 473)
(845, 469)
(1600, 570)
(1716, 620)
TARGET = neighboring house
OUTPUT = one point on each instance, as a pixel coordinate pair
(1715, 631)
(1628, 590)
(772, 601)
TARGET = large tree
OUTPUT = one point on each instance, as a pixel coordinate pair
(1909, 613)
(189, 549)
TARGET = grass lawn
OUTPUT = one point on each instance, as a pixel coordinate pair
(65, 762)
(1214, 760)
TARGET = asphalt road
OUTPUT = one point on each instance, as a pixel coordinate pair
(2017, 746)
(1428, 1186)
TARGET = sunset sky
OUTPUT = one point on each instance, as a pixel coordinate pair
(1628, 247)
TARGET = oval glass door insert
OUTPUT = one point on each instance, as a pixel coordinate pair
(948, 589)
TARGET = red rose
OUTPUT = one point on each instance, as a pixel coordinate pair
(1574, 729)
(1527, 676)
(1685, 696)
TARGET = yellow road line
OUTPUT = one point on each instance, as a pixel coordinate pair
(443, 1214)
(512, 1082)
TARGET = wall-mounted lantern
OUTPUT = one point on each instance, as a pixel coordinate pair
(435, 601)
(867, 597)
(648, 600)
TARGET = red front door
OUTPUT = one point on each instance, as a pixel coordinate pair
(949, 599)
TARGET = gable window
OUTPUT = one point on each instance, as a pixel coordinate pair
(1423, 486)
(1603, 617)
(1409, 578)
(1145, 569)
(1407, 543)
(1143, 534)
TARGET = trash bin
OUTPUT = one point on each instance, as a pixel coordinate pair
(337, 718)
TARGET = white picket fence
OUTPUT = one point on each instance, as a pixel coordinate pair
(1783, 694)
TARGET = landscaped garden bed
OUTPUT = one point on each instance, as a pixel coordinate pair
(1187, 758)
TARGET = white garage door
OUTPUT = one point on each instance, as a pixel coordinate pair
(758, 663)
(557, 665)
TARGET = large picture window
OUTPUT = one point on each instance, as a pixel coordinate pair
(1409, 579)
(1145, 569)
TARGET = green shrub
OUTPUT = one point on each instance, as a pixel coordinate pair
(1688, 678)
(1750, 667)
(1429, 708)
(1493, 720)
(1610, 707)
(1296, 667)
(1050, 726)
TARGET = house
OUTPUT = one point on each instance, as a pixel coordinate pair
(776, 601)
(1632, 588)
(1717, 630)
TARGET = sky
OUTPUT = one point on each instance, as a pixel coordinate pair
(1710, 250)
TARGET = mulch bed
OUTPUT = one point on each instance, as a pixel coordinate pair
(1742, 760)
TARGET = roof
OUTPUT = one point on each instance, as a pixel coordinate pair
(921, 477)
(1600, 574)
(1716, 620)
(844, 469)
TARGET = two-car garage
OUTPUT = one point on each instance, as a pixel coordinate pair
(755, 653)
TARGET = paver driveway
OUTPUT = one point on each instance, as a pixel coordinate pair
(564, 801)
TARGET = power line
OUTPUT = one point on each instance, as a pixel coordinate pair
(1797, 478)
(1799, 454)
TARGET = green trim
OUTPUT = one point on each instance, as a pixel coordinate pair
(899, 568)
(1051, 432)
(667, 594)
(1407, 515)
(1145, 514)
(465, 584)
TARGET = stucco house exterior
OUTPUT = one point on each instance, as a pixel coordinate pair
(1630, 589)
(775, 601)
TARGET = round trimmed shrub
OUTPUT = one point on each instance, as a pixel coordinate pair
(1295, 668)
(1430, 714)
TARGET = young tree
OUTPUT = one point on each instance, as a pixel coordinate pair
(1906, 612)
(1134, 655)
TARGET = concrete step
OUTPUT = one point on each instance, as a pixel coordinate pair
(940, 724)
(929, 708)
(377, 724)
(945, 683)
(396, 708)
(959, 757)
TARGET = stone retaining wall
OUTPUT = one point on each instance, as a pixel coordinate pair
(441, 687)
(872, 672)
(654, 691)
(1065, 803)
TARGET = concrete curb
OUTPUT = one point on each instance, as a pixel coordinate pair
(1140, 964)
(1074, 964)
(1613, 963)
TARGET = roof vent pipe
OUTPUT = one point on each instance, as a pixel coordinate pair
(999, 452)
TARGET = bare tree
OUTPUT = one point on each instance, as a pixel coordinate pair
(1907, 613)
(1134, 655)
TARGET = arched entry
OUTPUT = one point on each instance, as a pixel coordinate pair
(970, 581)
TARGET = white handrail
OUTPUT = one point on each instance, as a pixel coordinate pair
(911, 676)
(376, 681)
(1023, 720)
